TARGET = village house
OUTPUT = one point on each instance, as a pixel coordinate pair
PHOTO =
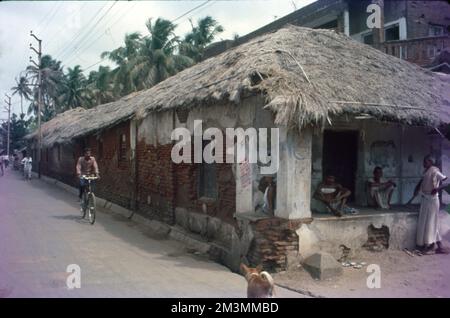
(416, 31)
(338, 104)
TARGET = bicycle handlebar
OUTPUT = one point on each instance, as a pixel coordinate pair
(88, 177)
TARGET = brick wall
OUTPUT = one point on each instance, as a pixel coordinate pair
(378, 238)
(59, 162)
(187, 177)
(156, 190)
(160, 185)
(422, 13)
(116, 183)
(275, 239)
(164, 185)
(418, 51)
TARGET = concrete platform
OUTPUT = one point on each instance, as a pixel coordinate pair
(328, 232)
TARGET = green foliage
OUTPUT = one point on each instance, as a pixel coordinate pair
(19, 128)
(141, 62)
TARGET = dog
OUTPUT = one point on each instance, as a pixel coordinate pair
(260, 283)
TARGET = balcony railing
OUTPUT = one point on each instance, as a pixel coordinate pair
(421, 51)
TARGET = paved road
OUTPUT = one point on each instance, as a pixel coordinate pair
(41, 234)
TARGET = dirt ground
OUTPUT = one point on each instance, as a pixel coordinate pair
(401, 274)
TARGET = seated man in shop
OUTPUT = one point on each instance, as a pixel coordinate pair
(332, 194)
(380, 190)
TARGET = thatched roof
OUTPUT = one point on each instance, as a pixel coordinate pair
(79, 122)
(444, 114)
(56, 126)
(307, 76)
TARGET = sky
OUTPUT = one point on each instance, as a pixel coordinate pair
(77, 32)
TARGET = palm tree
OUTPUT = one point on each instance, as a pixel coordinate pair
(157, 58)
(100, 85)
(22, 89)
(74, 92)
(200, 37)
(52, 79)
(123, 84)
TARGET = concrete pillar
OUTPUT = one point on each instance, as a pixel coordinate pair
(343, 23)
(378, 33)
(346, 23)
(244, 188)
(294, 175)
(244, 180)
(133, 164)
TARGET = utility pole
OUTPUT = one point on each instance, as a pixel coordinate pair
(38, 65)
(8, 109)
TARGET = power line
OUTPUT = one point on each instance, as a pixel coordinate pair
(197, 7)
(90, 66)
(53, 37)
(50, 18)
(61, 50)
(90, 32)
(179, 17)
(47, 15)
(85, 35)
(100, 36)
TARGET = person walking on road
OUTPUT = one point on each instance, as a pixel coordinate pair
(27, 166)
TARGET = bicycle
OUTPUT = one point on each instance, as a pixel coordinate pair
(88, 199)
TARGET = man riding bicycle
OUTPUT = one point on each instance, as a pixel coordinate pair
(86, 166)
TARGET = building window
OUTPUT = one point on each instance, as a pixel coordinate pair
(431, 51)
(392, 33)
(436, 30)
(403, 52)
(208, 179)
(393, 51)
(368, 39)
(123, 148)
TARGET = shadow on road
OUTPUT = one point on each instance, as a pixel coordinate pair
(75, 218)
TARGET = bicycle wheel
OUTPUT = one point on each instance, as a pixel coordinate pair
(83, 204)
(91, 208)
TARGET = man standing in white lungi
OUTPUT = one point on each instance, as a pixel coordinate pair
(428, 223)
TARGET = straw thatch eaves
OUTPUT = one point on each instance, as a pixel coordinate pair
(445, 111)
(307, 76)
(79, 122)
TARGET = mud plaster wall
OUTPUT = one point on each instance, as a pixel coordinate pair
(156, 129)
(328, 234)
(399, 150)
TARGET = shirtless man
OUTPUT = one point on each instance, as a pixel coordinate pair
(428, 236)
(332, 194)
(380, 190)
